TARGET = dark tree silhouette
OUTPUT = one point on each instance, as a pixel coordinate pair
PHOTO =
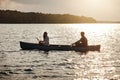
(8, 16)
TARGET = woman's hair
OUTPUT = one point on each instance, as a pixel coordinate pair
(44, 35)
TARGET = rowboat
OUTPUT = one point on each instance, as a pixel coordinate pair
(32, 46)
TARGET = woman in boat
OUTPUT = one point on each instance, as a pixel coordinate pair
(83, 42)
(45, 39)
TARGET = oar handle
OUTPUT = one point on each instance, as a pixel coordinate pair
(37, 39)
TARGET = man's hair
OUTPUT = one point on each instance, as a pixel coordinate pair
(82, 33)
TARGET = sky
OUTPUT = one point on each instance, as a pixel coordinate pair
(101, 10)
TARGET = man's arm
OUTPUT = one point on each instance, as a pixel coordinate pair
(75, 42)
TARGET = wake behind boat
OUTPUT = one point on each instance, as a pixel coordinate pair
(32, 46)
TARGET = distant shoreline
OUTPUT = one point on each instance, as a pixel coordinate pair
(17, 17)
(10, 16)
(97, 22)
(107, 21)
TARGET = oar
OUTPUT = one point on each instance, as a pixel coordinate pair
(37, 39)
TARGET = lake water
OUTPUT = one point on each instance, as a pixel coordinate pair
(16, 64)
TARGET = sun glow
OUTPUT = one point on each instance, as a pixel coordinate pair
(98, 8)
(96, 3)
(97, 28)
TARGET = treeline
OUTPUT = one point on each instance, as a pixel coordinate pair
(8, 16)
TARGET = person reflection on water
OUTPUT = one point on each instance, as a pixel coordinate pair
(83, 42)
(45, 39)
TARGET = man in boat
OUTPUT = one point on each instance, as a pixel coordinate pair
(83, 42)
(45, 39)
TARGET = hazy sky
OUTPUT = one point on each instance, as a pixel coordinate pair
(98, 9)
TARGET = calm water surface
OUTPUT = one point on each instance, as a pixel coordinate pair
(16, 64)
